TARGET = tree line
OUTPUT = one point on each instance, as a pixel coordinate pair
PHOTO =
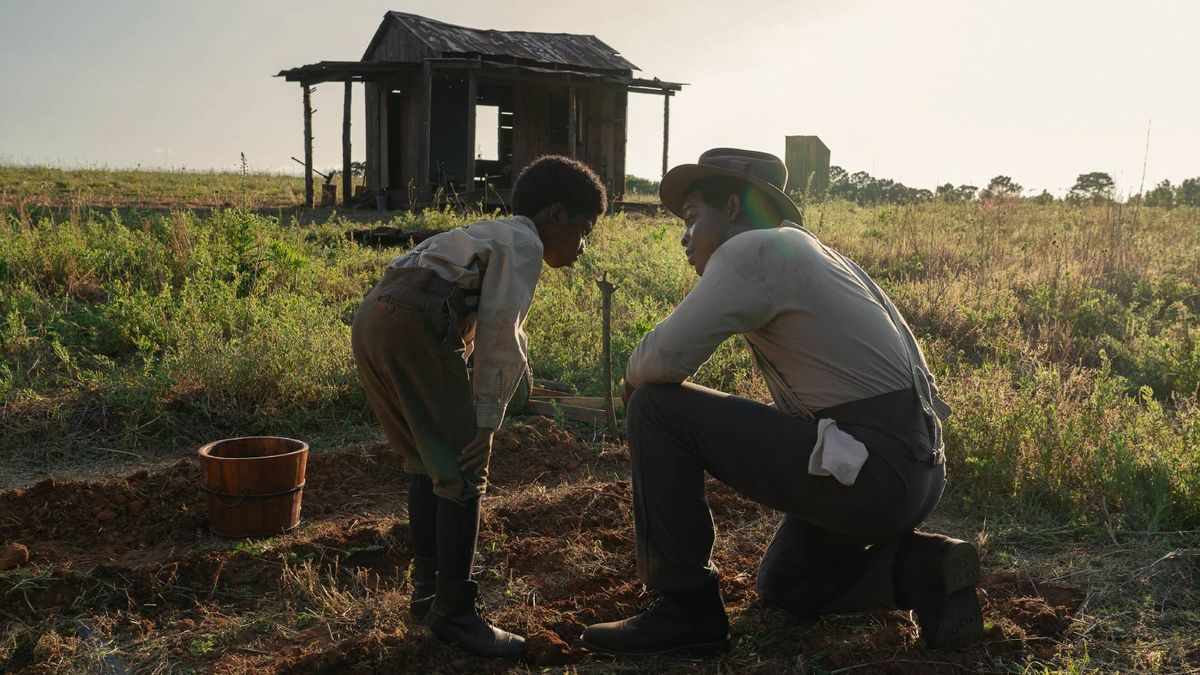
(864, 189)
(1096, 187)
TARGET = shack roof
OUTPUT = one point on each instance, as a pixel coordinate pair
(559, 49)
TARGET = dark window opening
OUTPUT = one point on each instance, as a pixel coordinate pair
(449, 114)
(559, 119)
(395, 139)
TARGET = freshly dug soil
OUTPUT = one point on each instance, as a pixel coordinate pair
(131, 560)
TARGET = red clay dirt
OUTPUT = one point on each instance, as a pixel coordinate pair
(130, 559)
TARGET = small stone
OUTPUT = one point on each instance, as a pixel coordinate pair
(105, 516)
(134, 506)
(13, 556)
(119, 499)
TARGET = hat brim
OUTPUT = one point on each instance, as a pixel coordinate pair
(674, 188)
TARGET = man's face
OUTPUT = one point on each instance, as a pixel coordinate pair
(568, 237)
(707, 228)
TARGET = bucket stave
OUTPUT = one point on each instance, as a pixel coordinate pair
(254, 484)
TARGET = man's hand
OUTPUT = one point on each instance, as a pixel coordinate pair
(626, 391)
(475, 455)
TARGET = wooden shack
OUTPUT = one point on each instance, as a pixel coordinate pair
(430, 85)
(807, 160)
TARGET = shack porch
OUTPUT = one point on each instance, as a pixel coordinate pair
(453, 114)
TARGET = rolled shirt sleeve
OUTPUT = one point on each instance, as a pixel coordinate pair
(729, 299)
(501, 350)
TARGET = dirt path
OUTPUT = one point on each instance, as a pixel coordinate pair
(125, 569)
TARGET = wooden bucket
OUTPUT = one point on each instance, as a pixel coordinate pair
(254, 484)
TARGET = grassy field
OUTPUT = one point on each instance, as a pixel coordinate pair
(1064, 337)
(24, 187)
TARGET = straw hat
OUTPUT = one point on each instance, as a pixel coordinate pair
(760, 169)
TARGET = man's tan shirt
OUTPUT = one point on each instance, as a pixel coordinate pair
(820, 336)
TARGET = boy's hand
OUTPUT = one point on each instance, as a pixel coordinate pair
(475, 455)
(626, 391)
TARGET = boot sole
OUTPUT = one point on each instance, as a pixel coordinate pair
(958, 566)
(961, 623)
(699, 650)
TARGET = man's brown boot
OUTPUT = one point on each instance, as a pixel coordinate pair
(694, 624)
(936, 576)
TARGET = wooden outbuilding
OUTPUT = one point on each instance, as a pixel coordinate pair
(807, 160)
(431, 86)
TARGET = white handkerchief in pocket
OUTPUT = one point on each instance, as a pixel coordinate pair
(836, 453)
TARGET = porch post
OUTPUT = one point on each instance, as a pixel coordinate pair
(308, 146)
(347, 182)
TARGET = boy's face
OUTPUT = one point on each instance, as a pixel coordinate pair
(563, 242)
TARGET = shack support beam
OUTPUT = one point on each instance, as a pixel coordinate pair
(571, 115)
(472, 98)
(666, 130)
(308, 145)
(426, 124)
(347, 187)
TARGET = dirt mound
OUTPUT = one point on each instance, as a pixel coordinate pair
(1023, 610)
(132, 558)
(97, 521)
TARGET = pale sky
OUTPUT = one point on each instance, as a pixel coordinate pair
(923, 92)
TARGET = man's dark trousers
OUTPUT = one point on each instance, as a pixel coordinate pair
(834, 548)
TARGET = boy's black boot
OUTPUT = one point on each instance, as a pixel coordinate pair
(936, 576)
(692, 623)
(455, 620)
(424, 587)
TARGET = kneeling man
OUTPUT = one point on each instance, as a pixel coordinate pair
(850, 452)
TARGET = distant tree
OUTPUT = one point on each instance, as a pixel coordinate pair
(881, 190)
(1044, 198)
(1096, 186)
(638, 185)
(1188, 193)
(1162, 195)
(967, 192)
(947, 193)
(864, 189)
(839, 184)
(1001, 187)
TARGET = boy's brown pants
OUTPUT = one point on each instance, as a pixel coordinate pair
(408, 346)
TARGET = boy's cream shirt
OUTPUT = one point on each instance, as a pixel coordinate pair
(498, 262)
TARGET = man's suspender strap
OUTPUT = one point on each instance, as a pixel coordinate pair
(931, 401)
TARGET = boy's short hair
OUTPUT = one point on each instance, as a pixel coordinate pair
(716, 191)
(553, 179)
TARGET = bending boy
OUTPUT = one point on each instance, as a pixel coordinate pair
(464, 289)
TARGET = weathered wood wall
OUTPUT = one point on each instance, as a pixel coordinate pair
(807, 160)
(398, 44)
(413, 123)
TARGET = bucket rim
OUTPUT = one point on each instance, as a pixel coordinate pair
(206, 449)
